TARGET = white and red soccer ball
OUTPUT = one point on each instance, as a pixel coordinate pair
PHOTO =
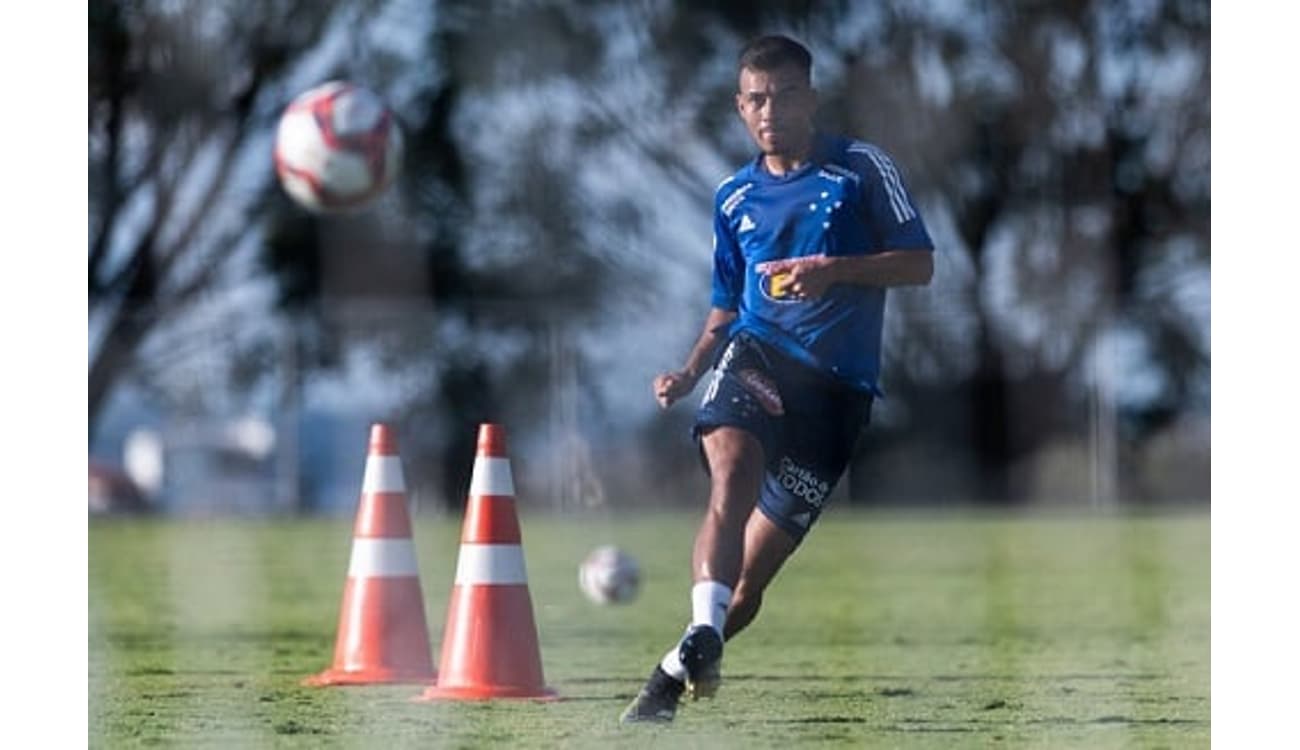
(337, 147)
(609, 575)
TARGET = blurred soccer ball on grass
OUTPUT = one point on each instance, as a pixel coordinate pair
(608, 575)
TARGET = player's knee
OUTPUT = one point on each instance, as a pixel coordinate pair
(729, 510)
(732, 493)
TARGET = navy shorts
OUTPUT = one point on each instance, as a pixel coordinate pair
(806, 421)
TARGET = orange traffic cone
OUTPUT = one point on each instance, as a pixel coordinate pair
(489, 648)
(382, 634)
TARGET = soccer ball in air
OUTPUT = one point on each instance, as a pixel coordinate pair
(609, 575)
(337, 147)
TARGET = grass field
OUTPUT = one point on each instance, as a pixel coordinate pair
(883, 631)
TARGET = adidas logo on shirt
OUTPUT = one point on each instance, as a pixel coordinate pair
(746, 224)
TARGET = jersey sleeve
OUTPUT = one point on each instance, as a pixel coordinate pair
(728, 264)
(889, 207)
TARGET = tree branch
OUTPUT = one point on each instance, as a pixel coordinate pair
(112, 190)
(216, 257)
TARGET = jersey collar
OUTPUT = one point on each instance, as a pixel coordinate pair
(820, 148)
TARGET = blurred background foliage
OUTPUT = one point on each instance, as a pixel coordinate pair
(546, 251)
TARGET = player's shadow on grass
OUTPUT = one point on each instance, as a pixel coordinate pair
(630, 685)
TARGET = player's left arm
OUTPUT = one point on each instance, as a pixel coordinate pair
(906, 254)
(809, 277)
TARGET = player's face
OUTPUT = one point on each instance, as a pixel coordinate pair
(777, 107)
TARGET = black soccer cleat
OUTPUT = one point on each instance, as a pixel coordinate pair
(701, 654)
(657, 701)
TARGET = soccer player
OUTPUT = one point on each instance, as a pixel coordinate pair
(807, 237)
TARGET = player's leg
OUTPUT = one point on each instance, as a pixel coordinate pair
(735, 459)
(767, 547)
(732, 426)
(822, 426)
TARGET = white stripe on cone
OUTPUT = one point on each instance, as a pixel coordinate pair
(383, 474)
(490, 563)
(492, 477)
(382, 558)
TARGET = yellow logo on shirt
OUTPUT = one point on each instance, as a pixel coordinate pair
(777, 286)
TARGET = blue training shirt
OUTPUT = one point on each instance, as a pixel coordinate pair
(849, 199)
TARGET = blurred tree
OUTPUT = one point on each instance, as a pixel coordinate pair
(181, 96)
(493, 264)
(548, 247)
(1067, 144)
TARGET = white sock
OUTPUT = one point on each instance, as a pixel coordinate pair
(672, 664)
(709, 602)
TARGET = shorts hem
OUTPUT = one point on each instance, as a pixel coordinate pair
(796, 532)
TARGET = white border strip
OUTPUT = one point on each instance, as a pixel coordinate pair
(490, 563)
(382, 558)
(383, 474)
(492, 477)
(889, 176)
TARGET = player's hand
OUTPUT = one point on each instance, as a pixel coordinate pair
(671, 386)
(804, 278)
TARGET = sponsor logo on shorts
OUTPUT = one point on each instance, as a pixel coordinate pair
(802, 483)
(764, 390)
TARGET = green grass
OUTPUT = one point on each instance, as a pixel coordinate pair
(883, 631)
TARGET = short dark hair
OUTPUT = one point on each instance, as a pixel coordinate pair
(775, 51)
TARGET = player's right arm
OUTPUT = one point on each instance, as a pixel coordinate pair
(671, 386)
(728, 283)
